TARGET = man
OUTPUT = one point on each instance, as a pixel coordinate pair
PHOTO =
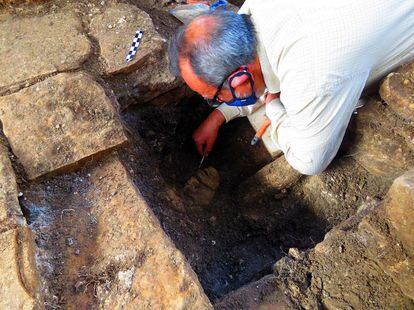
(317, 56)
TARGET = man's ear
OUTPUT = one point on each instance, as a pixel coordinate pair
(239, 80)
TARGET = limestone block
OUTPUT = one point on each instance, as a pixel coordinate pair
(10, 212)
(397, 91)
(147, 82)
(399, 206)
(33, 47)
(115, 28)
(151, 272)
(389, 254)
(58, 122)
(18, 278)
(378, 148)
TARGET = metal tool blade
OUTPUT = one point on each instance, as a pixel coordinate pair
(201, 162)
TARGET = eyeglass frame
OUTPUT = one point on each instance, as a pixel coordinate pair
(216, 101)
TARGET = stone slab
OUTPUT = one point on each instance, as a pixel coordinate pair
(10, 212)
(115, 29)
(147, 82)
(397, 91)
(101, 246)
(256, 120)
(399, 206)
(18, 279)
(33, 47)
(129, 235)
(378, 147)
(56, 123)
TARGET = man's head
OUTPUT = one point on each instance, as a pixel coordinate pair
(214, 47)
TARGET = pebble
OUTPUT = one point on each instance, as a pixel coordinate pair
(70, 241)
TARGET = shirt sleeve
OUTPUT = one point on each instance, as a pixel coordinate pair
(311, 134)
(232, 112)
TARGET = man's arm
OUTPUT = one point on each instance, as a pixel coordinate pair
(311, 135)
(206, 134)
(231, 112)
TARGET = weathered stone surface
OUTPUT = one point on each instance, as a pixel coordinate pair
(19, 285)
(153, 273)
(115, 28)
(58, 122)
(106, 247)
(202, 187)
(10, 212)
(397, 91)
(37, 46)
(273, 178)
(388, 253)
(399, 207)
(379, 148)
(147, 82)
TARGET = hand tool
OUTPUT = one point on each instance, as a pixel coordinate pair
(201, 162)
(259, 134)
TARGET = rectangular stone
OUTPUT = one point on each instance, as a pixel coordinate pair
(60, 121)
(101, 246)
(31, 47)
(153, 272)
(10, 212)
(115, 29)
(397, 91)
(378, 146)
(18, 279)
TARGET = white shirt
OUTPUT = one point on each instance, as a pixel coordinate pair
(320, 55)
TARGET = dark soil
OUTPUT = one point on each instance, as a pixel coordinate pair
(225, 248)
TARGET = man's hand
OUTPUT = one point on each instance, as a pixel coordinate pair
(269, 97)
(206, 134)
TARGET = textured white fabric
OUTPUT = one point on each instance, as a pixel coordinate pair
(320, 55)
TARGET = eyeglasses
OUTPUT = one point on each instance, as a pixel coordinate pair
(216, 101)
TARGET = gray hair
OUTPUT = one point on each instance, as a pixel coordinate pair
(232, 44)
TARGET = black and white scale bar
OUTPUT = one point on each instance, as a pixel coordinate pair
(134, 46)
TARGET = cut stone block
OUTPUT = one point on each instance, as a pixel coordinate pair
(129, 235)
(378, 147)
(58, 122)
(147, 82)
(399, 206)
(397, 91)
(256, 120)
(115, 254)
(19, 285)
(10, 212)
(115, 29)
(37, 46)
